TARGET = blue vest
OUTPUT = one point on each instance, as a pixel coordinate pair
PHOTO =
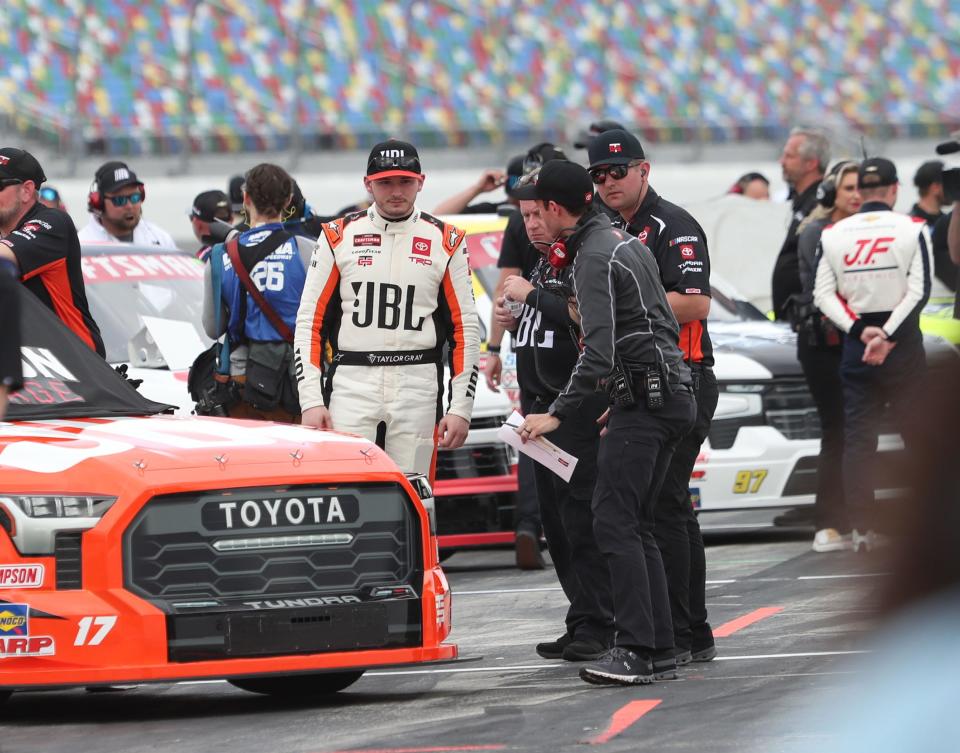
(280, 277)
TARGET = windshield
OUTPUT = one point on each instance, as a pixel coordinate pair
(124, 288)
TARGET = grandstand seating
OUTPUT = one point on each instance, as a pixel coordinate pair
(235, 74)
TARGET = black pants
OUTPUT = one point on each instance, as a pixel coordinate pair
(678, 531)
(568, 523)
(527, 515)
(865, 391)
(634, 455)
(821, 368)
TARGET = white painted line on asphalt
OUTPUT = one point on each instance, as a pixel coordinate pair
(800, 655)
(847, 575)
(507, 591)
(720, 582)
(566, 665)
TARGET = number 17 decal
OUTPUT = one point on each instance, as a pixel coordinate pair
(103, 624)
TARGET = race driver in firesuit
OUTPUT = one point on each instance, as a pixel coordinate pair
(388, 288)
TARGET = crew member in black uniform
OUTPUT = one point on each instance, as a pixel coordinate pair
(42, 243)
(11, 374)
(629, 338)
(804, 161)
(518, 257)
(621, 173)
(546, 344)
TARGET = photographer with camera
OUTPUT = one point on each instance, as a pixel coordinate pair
(818, 350)
(629, 337)
(252, 289)
(546, 345)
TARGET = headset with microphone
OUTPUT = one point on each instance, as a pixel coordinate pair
(95, 199)
(827, 190)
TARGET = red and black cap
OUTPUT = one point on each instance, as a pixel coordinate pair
(393, 158)
(614, 147)
(17, 164)
(562, 181)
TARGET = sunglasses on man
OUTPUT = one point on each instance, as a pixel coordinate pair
(618, 172)
(383, 163)
(49, 194)
(121, 201)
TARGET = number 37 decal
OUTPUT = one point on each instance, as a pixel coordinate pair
(92, 630)
(748, 482)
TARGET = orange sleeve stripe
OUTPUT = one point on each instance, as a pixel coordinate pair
(455, 314)
(56, 280)
(316, 348)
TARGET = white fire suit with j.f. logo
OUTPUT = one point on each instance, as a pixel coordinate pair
(387, 296)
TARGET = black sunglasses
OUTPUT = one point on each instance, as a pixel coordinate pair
(121, 201)
(618, 172)
(7, 182)
(382, 163)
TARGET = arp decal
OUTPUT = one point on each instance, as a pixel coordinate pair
(15, 638)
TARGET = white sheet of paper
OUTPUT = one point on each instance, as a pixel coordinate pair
(177, 340)
(541, 450)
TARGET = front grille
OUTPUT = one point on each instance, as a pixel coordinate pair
(723, 431)
(790, 410)
(487, 422)
(68, 555)
(476, 513)
(472, 461)
(177, 546)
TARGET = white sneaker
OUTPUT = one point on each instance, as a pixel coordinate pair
(830, 540)
(867, 542)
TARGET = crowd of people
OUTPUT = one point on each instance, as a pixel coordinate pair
(345, 322)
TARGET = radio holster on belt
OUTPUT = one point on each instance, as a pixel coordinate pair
(620, 385)
(814, 328)
(623, 385)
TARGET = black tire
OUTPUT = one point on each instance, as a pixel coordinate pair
(322, 683)
(5, 696)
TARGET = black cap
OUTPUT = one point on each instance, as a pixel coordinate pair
(562, 181)
(235, 192)
(928, 173)
(21, 165)
(113, 176)
(876, 172)
(586, 136)
(539, 155)
(393, 157)
(210, 206)
(616, 147)
(514, 173)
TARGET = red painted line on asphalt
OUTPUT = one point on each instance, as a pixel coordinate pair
(435, 749)
(622, 719)
(729, 628)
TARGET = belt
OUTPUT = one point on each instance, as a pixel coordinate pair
(387, 357)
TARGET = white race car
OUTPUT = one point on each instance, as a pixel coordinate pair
(765, 437)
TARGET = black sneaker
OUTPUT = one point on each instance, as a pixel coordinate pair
(554, 649)
(619, 666)
(707, 653)
(584, 649)
(665, 664)
(683, 656)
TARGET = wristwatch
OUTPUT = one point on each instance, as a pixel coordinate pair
(494, 349)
